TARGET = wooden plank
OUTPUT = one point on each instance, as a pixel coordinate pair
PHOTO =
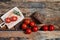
(28, 0)
(35, 0)
(44, 34)
(52, 0)
(12, 34)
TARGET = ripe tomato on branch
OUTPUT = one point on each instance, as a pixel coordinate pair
(32, 24)
(24, 26)
(28, 31)
(35, 29)
(51, 27)
(45, 28)
(27, 21)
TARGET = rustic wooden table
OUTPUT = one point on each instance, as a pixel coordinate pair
(27, 9)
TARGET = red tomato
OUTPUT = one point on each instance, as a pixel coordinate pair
(35, 29)
(8, 20)
(28, 31)
(51, 27)
(32, 24)
(27, 21)
(13, 18)
(24, 26)
(45, 28)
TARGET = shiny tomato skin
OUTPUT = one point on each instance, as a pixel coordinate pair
(35, 29)
(28, 31)
(32, 24)
(51, 27)
(24, 26)
(14, 18)
(27, 21)
(7, 20)
(45, 28)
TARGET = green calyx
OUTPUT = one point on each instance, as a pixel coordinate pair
(16, 12)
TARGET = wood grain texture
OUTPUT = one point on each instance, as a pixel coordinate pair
(36, 0)
(50, 7)
(46, 34)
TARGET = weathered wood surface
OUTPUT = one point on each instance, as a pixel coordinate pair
(29, 8)
(46, 8)
(33, 35)
(36, 0)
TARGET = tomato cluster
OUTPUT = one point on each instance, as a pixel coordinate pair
(9, 19)
(29, 26)
(48, 27)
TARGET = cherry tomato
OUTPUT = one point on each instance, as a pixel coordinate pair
(32, 24)
(24, 26)
(51, 27)
(27, 21)
(28, 31)
(35, 29)
(45, 28)
(8, 20)
(13, 18)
